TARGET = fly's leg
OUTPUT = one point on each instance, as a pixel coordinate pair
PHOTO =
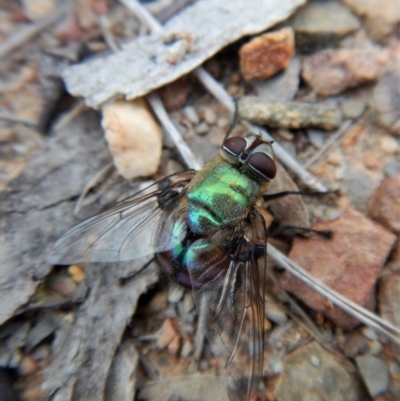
(290, 231)
(268, 197)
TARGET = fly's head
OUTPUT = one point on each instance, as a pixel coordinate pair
(253, 154)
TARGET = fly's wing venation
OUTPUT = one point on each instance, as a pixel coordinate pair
(129, 230)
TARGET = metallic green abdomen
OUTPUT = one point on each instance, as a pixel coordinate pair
(221, 198)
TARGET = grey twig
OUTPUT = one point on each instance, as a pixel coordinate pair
(187, 155)
(26, 33)
(334, 138)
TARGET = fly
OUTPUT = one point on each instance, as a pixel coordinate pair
(207, 234)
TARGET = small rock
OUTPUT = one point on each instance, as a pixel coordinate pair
(191, 114)
(374, 373)
(316, 137)
(189, 388)
(292, 115)
(36, 9)
(352, 108)
(175, 94)
(173, 346)
(76, 273)
(359, 186)
(267, 54)
(202, 128)
(359, 248)
(389, 145)
(380, 16)
(210, 116)
(27, 366)
(385, 204)
(175, 294)
(386, 97)
(356, 344)
(303, 379)
(369, 333)
(318, 25)
(223, 122)
(283, 86)
(275, 313)
(168, 333)
(133, 136)
(388, 296)
(187, 348)
(330, 72)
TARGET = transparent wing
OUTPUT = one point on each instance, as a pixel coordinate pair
(133, 228)
(233, 300)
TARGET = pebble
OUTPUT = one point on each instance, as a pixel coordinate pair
(36, 9)
(275, 313)
(303, 379)
(356, 344)
(27, 366)
(375, 374)
(335, 158)
(389, 144)
(319, 24)
(191, 114)
(359, 248)
(167, 334)
(316, 137)
(352, 108)
(385, 205)
(175, 294)
(175, 94)
(282, 86)
(210, 116)
(134, 137)
(388, 296)
(202, 128)
(291, 115)
(190, 387)
(187, 348)
(330, 72)
(223, 122)
(369, 333)
(359, 186)
(386, 97)
(266, 54)
(77, 273)
(380, 16)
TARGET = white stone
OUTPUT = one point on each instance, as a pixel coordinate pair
(133, 136)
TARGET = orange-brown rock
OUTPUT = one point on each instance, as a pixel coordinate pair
(385, 204)
(330, 72)
(267, 54)
(349, 263)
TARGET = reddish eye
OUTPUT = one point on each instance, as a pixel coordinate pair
(262, 164)
(235, 145)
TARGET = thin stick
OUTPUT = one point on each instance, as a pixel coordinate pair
(6, 116)
(334, 138)
(187, 155)
(26, 33)
(104, 23)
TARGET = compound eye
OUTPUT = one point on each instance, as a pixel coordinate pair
(263, 164)
(235, 145)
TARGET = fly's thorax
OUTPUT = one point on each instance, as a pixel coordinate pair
(219, 196)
